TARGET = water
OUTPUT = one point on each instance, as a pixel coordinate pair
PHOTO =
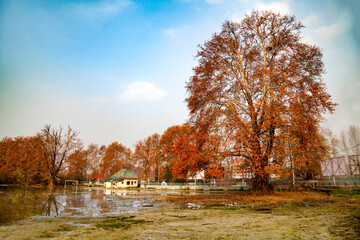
(19, 203)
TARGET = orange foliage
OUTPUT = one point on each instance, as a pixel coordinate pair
(148, 157)
(168, 141)
(258, 90)
(116, 157)
(21, 160)
(78, 165)
(189, 152)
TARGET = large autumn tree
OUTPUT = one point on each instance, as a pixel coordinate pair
(255, 85)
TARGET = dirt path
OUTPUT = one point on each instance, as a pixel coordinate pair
(268, 218)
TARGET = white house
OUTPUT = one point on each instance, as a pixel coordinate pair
(122, 179)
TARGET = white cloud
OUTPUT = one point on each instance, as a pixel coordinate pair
(139, 91)
(100, 9)
(313, 19)
(277, 7)
(330, 31)
(335, 29)
(173, 32)
(323, 28)
(236, 17)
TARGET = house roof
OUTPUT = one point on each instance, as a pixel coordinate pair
(123, 173)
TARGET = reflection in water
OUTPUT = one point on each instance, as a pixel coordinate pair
(19, 203)
(51, 206)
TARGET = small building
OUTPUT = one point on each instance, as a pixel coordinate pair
(122, 179)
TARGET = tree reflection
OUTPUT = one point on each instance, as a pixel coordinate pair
(52, 207)
(17, 203)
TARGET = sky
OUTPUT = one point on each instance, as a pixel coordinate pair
(117, 70)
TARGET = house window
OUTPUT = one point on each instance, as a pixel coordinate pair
(114, 184)
(127, 182)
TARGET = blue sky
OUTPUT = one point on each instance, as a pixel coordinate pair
(116, 70)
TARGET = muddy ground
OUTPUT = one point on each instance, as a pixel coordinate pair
(299, 215)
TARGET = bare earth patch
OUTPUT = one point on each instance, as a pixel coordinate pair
(299, 215)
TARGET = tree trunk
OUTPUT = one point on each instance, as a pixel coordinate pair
(51, 184)
(261, 183)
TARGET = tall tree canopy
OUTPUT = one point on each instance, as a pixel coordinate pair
(116, 157)
(259, 87)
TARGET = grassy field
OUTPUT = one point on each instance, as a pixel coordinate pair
(235, 215)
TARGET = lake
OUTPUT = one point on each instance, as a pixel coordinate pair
(17, 203)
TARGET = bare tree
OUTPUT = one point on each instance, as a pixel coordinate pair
(94, 155)
(354, 139)
(350, 140)
(57, 145)
(343, 142)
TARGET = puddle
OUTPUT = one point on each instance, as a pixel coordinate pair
(194, 205)
(79, 224)
(233, 204)
(19, 203)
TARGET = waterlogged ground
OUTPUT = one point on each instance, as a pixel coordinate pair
(20, 203)
(208, 215)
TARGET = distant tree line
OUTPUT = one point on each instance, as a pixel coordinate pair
(57, 154)
(179, 153)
